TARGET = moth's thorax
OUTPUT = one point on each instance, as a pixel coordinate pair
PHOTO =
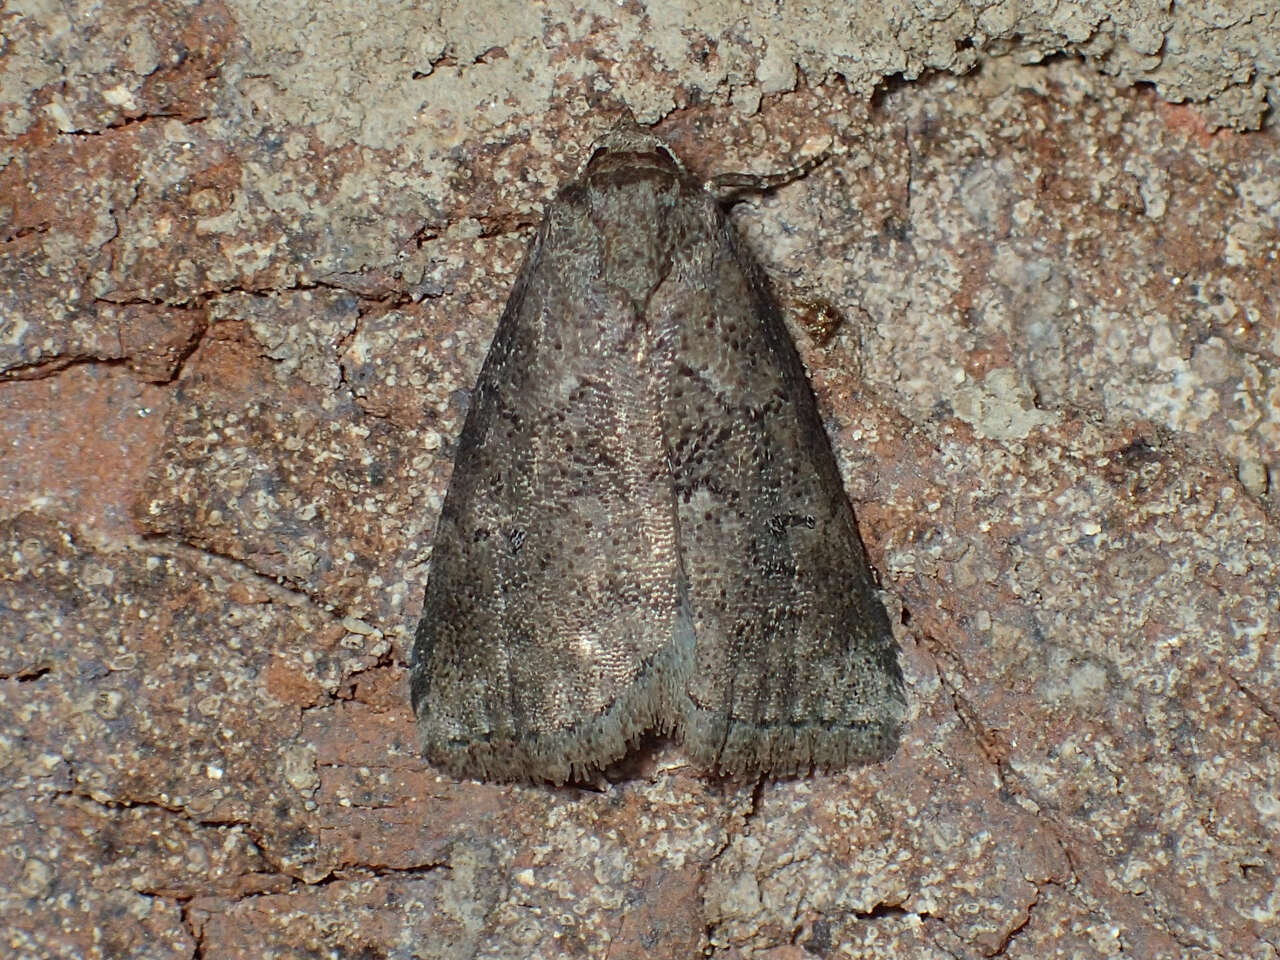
(636, 204)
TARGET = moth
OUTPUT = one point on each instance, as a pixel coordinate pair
(645, 528)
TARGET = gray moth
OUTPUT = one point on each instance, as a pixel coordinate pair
(645, 529)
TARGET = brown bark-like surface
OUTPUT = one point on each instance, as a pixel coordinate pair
(250, 262)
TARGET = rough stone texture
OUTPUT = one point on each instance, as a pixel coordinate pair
(250, 259)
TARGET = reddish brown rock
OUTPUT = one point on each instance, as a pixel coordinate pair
(248, 271)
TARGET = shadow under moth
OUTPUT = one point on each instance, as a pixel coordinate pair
(645, 529)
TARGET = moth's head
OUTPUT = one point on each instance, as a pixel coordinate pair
(630, 145)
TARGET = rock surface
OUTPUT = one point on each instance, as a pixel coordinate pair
(252, 257)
